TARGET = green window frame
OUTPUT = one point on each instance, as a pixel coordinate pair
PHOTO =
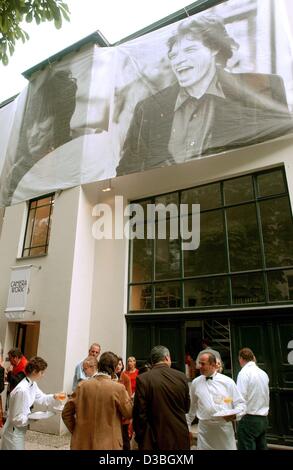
(246, 221)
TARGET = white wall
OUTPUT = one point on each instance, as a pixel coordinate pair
(80, 292)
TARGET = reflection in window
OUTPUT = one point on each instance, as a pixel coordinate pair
(247, 289)
(141, 260)
(167, 252)
(38, 226)
(209, 197)
(238, 190)
(246, 229)
(243, 238)
(210, 257)
(205, 292)
(167, 295)
(271, 183)
(277, 227)
(280, 284)
(140, 297)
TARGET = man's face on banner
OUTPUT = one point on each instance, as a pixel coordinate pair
(191, 61)
(40, 137)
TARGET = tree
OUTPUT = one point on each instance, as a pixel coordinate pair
(13, 12)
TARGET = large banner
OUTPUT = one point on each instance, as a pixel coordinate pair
(210, 83)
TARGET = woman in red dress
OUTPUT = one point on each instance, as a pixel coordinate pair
(132, 372)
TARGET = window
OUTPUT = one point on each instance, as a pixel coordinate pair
(245, 255)
(38, 224)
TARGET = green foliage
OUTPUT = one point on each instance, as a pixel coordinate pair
(13, 12)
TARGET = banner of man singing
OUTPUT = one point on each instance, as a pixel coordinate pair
(211, 83)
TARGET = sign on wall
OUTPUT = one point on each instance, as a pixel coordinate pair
(18, 292)
(211, 83)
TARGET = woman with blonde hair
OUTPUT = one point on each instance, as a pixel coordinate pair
(132, 372)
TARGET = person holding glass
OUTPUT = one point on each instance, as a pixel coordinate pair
(216, 401)
(22, 398)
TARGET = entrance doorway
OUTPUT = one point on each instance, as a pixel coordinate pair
(26, 338)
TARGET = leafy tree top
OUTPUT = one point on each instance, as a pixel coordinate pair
(14, 12)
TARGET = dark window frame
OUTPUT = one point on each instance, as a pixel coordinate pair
(263, 270)
(33, 205)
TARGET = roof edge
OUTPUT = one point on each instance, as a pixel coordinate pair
(95, 38)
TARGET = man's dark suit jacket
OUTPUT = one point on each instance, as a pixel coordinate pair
(160, 403)
(254, 110)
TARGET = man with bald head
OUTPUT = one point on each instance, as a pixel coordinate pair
(216, 401)
(79, 373)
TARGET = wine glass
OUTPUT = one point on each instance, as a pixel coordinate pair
(219, 402)
(60, 396)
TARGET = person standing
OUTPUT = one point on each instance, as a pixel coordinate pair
(132, 372)
(214, 397)
(93, 415)
(79, 374)
(125, 380)
(160, 403)
(16, 371)
(2, 375)
(253, 383)
(206, 347)
(22, 397)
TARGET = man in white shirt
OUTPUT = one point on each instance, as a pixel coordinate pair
(216, 401)
(253, 384)
(79, 373)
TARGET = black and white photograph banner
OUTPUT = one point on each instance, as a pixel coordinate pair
(211, 83)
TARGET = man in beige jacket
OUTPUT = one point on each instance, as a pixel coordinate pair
(93, 414)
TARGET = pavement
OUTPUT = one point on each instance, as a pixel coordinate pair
(41, 441)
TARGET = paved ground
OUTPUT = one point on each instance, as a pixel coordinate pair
(40, 441)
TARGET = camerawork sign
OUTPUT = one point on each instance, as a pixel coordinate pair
(18, 292)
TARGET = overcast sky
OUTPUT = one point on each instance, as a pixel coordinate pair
(114, 18)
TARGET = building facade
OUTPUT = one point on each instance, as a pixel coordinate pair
(128, 295)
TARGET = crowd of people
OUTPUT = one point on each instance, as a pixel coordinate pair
(149, 408)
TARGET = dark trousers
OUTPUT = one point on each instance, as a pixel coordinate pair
(125, 436)
(251, 432)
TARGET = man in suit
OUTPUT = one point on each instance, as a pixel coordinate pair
(161, 401)
(208, 110)
(94, 413)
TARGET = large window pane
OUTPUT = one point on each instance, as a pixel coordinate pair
(243, 237)
(280, 284)
(140, 297)
(38, 226)
(141, 260)
(210, 257)
(247, 289)
(166, 199)
(167, 295)
(167, 255)
(41, 226)
(209, 197)
(238, 190)
(204, 292)
(271, 183)
(277, 230)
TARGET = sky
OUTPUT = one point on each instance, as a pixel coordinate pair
(115, 19)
